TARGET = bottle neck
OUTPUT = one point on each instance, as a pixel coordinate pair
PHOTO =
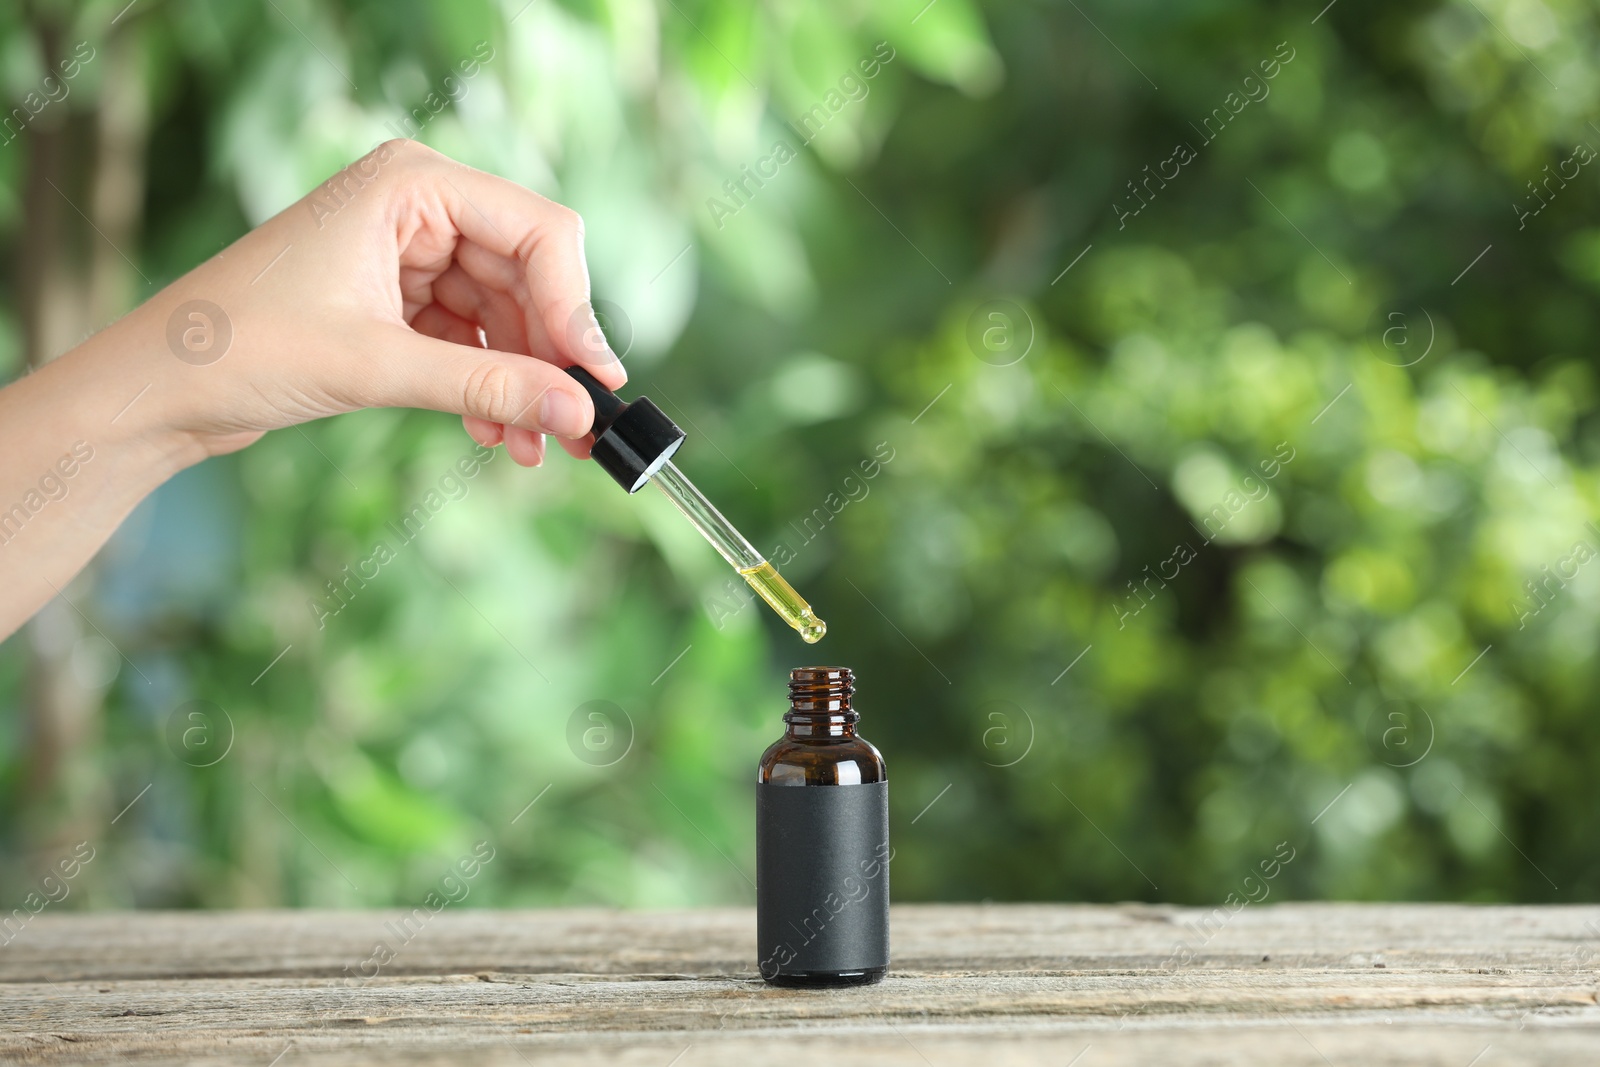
(811, 726)
(819, 704)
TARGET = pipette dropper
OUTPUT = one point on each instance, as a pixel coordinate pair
(634, 442)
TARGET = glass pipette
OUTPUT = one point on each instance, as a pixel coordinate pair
(634, 442)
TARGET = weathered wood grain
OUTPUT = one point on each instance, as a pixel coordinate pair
(1291, 984)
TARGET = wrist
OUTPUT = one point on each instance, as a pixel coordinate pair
(120, 394)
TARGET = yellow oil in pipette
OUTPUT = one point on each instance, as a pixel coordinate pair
(752, 566)
(780, 595)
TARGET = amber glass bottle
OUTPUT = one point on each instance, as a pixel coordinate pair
(822, 842)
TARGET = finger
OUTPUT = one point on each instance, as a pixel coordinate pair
(525, 446)
(487, 434)
(438, 321)
(441, 322)
(577, 448)
(406, 368)
(546, 240)
(467, 301)
(504, 329)
(494, 309)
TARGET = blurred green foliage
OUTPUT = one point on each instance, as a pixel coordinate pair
(1340, 661)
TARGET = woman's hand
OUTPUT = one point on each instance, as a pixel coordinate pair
(407, 280)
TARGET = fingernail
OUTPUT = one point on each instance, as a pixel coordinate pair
(563, 414)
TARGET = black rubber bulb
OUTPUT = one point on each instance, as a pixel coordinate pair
(632, 438)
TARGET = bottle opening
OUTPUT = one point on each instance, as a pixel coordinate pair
(821, 689)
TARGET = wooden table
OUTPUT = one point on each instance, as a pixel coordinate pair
(1316, 984)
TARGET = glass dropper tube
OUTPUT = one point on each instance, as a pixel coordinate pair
(741, 555)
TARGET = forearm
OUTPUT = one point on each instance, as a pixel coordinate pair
(81, 443)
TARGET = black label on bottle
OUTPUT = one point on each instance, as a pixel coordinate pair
(822, 878)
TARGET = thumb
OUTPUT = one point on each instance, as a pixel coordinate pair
(417, 371)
